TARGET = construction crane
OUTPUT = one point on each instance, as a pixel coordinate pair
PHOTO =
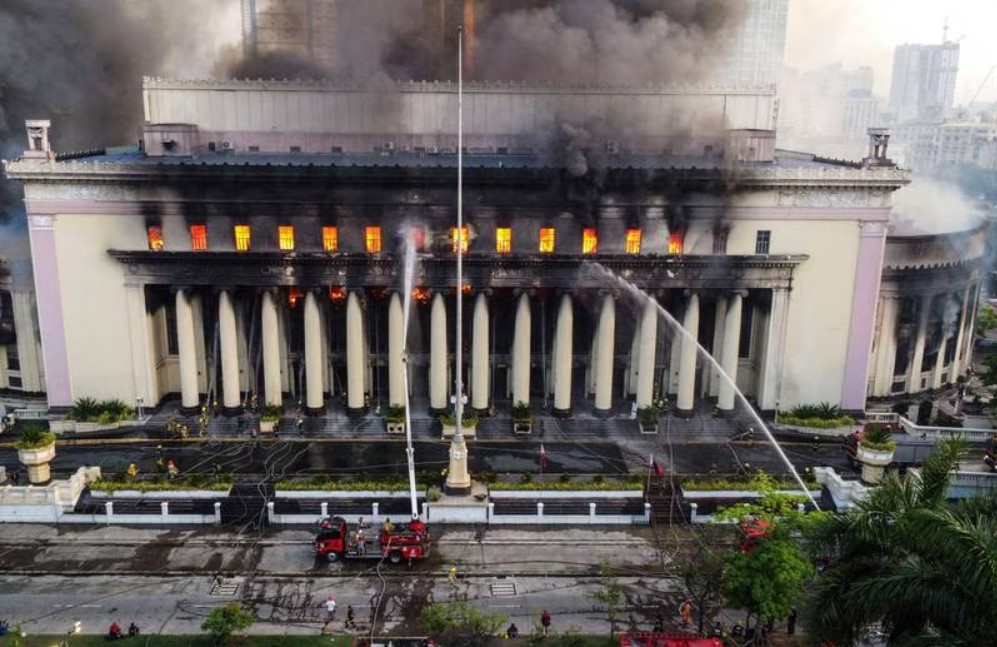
(982, 85)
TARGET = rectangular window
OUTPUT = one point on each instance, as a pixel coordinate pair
(762, 240)
(242, 238)
(372, 237)
(13, 359)
(330, 239)
(454, 238)
(547, 240)
(155, 235)
(676, 241)
(199, 237)
(590, 241)
(285, 238)
(720, 240)
(503, 240)
(633, 241)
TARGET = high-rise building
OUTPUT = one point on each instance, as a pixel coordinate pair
(305, 29)
(924, 76)
(757, 46)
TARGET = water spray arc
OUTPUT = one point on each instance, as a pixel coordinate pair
(645, 298)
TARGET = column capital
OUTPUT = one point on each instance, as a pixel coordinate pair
(738, 293)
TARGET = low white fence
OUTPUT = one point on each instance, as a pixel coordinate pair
(593, 518)
(290, 519)
(165, 517)
(566, 494)
(937, 433)
(162, 494)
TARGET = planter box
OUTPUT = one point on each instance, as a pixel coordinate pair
(396, 428)
(450, 430)
(62, 426)
(874, 457)
(89, 427)
(160, 494)
(693, 495)
(37, 460)
(268, 426)
(522, 426)
(649, 429)
(566, 494)
(342, 494)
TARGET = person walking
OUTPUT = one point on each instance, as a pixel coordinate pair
(330, 608)
(351, 620)
(791, 622)
(545, 622)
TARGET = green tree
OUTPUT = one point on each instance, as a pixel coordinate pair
(768, 579)
(459, 620)
(986, 320)
(224, 621)
(904, 558)
(609, 595)
(990, 374)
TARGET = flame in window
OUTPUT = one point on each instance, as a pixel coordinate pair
(547, 240)
(676, 241)
(503, 240)
(155, 235)
(242, 238)
(285, 238)
(462, 238)
(633, 241)
(199, 238)
(372, 237)
(590, 241)
(337, 293)
(330, 239)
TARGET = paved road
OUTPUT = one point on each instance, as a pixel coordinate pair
(167, 581)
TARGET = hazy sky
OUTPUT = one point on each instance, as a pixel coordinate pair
(865, 32)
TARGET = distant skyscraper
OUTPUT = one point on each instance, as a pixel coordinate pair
(302, 28)
(755, 52)
(924, 77)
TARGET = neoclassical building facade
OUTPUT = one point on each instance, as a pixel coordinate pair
(253, 249)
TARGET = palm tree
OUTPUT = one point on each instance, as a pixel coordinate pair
(925, 571)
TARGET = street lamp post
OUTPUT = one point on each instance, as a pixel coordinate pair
(138, 408)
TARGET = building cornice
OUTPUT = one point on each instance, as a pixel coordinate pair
(317, 270)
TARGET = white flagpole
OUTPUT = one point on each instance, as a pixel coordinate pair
(459, 351)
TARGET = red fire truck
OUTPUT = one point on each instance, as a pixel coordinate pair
(655, 639)
(336, 539)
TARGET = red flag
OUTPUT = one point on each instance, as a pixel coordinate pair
(658, 470)
(543, 457)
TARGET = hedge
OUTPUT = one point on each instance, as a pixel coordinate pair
(163, 485)
(714, 486)
(348, 486)
(815, 423)
(570, 486)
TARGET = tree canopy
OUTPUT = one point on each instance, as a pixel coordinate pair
(907, 560)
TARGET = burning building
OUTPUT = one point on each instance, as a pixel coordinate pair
(252, 245)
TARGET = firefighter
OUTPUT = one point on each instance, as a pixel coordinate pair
(132, 471)
(685, 612)
(351, 620)
(545, 622)
(816, 444)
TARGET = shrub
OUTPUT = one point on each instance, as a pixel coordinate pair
(815, 423)
(272, 413)
(822, 411)
(521, 412)
(396, 414)
(433, 494)
(224, 621)
(34, 436)
(159, 484)
(469, 419)
(526, 478)
(877, 438)
(84, 410)
(115, 410)
(648, 416)
(398, 483)
(569, 486)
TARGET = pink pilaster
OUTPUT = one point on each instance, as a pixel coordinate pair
(868, 271)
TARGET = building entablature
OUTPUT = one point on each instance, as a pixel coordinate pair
(481, 272)
(950, 249)
(931, 280)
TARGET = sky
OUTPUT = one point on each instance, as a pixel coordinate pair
(865, 32)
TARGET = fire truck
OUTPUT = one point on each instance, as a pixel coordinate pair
(336, 539)
(655, 639)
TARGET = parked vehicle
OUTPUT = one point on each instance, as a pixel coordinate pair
(336, 539)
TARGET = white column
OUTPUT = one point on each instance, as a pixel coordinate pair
(271, 349)
(188, 352)
(970, 336)
(729, 351)
(633, 367)
(563, 351)
(521, 352)
(229, 347)
(355, 356)
(605, 342)
(438, 358)
(138, 338)
(775, 346)
(687, 358)
(720, 315)
(938, 374)
(914, 374)
(313, 353)
(479, 356)
(886, 349)
(200, 348)
(396, 348)
(647, 354)
(956, 369)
